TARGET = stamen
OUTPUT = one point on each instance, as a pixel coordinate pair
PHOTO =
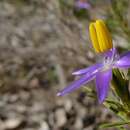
(100, 36)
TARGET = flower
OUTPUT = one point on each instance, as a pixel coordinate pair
(101, 72)
(82, 4)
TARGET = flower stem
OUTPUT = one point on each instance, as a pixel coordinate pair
(120, 86)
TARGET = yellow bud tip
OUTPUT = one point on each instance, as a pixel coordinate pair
(100, 36)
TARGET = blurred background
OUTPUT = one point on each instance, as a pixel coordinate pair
(41, 43)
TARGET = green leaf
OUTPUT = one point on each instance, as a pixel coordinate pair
(121, 128)
(116, 124)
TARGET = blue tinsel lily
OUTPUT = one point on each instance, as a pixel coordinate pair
(82, 4)
(101, 72)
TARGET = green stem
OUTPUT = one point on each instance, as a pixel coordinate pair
(120, 86)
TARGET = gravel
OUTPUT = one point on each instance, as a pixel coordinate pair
(40, 46)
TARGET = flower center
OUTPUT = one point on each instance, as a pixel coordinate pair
(109, 60)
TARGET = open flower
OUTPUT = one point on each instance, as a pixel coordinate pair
(101, 72)
(82, 4)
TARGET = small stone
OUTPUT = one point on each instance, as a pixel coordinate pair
(12, 123)
(34, 83)
(44, 126)
(90, 54)
(60, 116)
(78, 124)
(67, 105)
(2, 126)
(51, 119)
(89, 128)
(81, 112)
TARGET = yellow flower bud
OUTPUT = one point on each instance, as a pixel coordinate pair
(100, 36)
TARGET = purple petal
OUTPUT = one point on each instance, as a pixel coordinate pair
(88, 70)
(125, 54)
(82, 5)
(76, 84)
(110, 53)
(124, 61)
(102, 84)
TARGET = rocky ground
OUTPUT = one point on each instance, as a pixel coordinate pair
(40, 45)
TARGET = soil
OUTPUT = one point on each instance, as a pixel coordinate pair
(41, 44)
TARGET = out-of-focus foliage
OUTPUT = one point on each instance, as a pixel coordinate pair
(118, 19)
